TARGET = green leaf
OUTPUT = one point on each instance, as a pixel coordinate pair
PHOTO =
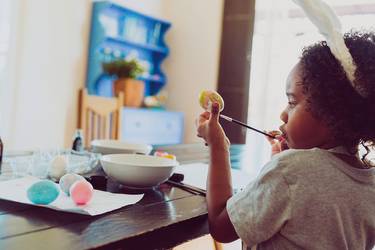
(123, 68)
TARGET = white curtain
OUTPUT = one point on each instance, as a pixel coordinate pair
(268, 74)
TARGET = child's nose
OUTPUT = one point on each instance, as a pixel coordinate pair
(284, 116)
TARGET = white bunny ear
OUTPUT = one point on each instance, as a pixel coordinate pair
(329, 26)
(321, 15)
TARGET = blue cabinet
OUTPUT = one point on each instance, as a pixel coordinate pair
(119, 32)
(157, 127)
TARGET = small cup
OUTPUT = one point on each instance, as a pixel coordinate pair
(41, 162)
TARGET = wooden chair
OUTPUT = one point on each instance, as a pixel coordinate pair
(99, 117)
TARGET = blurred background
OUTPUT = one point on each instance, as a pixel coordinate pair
(242, 48)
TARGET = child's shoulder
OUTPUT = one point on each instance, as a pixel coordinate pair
(301, 155)
(300, 160)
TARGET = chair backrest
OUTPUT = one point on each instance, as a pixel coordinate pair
(99, 117)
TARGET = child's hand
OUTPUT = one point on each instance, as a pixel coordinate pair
(278, 144)
(209, 128)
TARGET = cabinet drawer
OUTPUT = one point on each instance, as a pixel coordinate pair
(155, 127)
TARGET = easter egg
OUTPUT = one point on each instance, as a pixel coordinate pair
(207, 97)
(67, 181)
(165, 155)
(81, 192)
(170, 156)
(43, 192)
(58, 167)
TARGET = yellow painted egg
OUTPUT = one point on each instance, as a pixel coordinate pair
(207, 97)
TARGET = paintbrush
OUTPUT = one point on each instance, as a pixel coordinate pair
(219, 100)
(245, 125)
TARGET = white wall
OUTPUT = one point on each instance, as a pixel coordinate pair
(50, 68)
(52, 40)
(149, 7)
(7, 91)
(194, 41)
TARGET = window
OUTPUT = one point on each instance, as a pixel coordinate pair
(281, 30)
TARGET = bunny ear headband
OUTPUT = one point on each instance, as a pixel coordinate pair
(328, 24)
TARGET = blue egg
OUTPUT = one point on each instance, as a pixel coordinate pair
(43, 192)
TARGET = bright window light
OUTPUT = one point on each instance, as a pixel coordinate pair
(281, 31)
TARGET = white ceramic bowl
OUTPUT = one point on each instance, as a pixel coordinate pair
(119, 147)
(138, 171)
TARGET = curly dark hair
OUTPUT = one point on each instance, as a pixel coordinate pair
(331, 96)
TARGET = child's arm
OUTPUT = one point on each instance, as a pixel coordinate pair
(219, 186)
(219, 190)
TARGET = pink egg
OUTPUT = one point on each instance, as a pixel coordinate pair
(81, 192)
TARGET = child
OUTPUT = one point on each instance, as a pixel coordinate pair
(318, 194)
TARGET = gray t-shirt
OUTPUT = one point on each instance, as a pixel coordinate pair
(307, 199)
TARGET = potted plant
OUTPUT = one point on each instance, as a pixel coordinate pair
(126, 72)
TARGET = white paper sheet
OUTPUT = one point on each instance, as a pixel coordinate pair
(101, 202)
(195, 174)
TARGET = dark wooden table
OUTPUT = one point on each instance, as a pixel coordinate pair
(166, 216)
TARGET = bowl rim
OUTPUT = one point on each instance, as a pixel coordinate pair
(164, 162)
(118, 144)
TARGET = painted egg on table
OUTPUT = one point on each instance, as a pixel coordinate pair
(58, 167)
(209, 96)
(81, 192)
(67, 181)
(43, 192)
(165, 155)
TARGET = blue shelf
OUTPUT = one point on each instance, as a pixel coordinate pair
(157, 49)
(119, 32)
(120, 10)
(159, 79)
